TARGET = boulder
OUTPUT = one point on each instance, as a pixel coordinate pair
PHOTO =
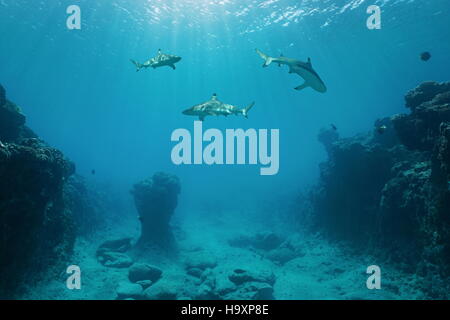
(156, 199)
(200, 260)
(143, 271)
(161, 291)
(127, 290)
(240, 276)
(115, 259)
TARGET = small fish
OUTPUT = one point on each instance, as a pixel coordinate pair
(160, 60)
(381, 129)
(214, 107)
(425, 56)
(93, 172)
(333, 127)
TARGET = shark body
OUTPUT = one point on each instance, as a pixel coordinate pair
(160, 60)
(214, 107)
(303, 69)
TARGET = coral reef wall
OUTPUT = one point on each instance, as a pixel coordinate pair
(35, 225)
(156, 199)
(390, 189)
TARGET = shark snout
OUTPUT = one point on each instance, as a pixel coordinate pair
(187, 112)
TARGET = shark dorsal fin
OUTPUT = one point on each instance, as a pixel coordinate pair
(214, 96)
(159, 52)
(309, 62)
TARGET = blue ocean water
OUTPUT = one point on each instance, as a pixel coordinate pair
(82, 95)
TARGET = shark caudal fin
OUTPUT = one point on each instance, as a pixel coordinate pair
(137, 65)
(246, 110)
(267, 60)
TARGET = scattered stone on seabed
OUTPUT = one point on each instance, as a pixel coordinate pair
(252, 291)
(224, 286)
(144, 283)
(143, 271)
(115, 260)
(119, 245)
(127, 290)
(281, 255)
(111, 253)
(200, 260)
(161, 290)
(240, 276)
(195, 272)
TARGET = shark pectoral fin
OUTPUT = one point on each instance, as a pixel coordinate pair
(201, 118)
(172, 66)
(301, 87)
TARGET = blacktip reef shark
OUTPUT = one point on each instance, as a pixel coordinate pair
(303, 69)
(160, 60)
(214, 107)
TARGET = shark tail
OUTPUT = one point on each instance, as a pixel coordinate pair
(267, 60)
(247, 109)
(137, 65)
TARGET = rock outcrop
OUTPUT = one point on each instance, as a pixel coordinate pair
(35, 225)
(156, 200)
(391, 190)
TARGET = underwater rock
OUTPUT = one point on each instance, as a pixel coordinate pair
(388, 138)
(327, 136)
(200, 260)
(281, 255)
(163, 290)
(119, 245)
(346, 203)
(91, 208)
(115, 259)
(252, 291)
(112, 253)
(143, 271)
(224, 286)
(12, 121)
(127, 290)
(205, 292)
(2, 95)
(404, 199)
(144, 283)
(240, 276)
(425, 92)
(195, 272)
(441, 157)
(156, 199)
(390, 193)
(430, 106)
(34, 218)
